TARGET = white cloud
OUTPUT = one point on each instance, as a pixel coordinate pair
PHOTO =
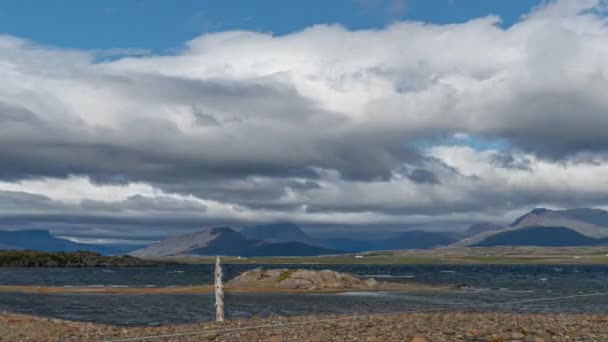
(74, 189)
(320, 125)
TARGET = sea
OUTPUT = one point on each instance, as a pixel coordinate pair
(494, 288)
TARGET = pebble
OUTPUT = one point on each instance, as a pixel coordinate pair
(420, 327)
(518, 336)
(420, 339)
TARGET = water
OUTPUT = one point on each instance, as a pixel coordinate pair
(491, 285)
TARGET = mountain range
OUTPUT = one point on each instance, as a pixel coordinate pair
(539, 227)
(413, 239)
(285, 239)
(227, 241)
(544, 227)
(42, 240)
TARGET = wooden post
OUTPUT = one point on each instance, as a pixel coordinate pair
(219, 292)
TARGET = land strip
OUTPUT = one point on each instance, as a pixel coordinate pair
(441, 256)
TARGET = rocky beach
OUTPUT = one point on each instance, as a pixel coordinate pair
(418, 327)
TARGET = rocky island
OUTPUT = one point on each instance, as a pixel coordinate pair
(299, 280)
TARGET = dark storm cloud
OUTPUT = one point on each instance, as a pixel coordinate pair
(15, 115)
(18, 200)
(248, 193)
(506, 160)
(422, 176)
(158, 152)
(137, 217)
(560, 123)
(110, 227)
(14, 202)
(141, 203)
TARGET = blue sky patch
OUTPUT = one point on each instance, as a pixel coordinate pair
(162, 26)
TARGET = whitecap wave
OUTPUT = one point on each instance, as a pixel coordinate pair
(385, 276)
(364, 294)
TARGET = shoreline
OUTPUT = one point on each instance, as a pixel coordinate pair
(208, 289)
(439, 326)
(507, 255)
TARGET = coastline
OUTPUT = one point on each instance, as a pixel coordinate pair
(508, 255)
(440, 326)
(208, 289)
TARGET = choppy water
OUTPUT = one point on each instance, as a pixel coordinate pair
(492, 285)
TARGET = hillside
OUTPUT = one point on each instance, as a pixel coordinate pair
(582, 227)
(288, 249)
(481, 227)
(229, 242)
(278, 232)
(350, 245)
(540, 236)
(42, 240)
(417, 239)
(589, 222)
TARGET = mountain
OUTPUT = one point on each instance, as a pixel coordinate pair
(481, 227)
(227, 241)
(540, 236)
(597, 217)
(590, 222)
(42, 240)
(278, 232)
(290, 232)
(584, 226)
(293, 248)
(418, 239)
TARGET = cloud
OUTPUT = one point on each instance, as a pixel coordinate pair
(507, 160)
(321, 126)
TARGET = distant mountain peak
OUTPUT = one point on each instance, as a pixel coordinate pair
(535, 211)
(281, 231)
(539, 211)
(43, 240)
(221, 230)
(276, 227)
(227, 241)
(539, 236)
(583, 226)
(481, 227)
(586, 216)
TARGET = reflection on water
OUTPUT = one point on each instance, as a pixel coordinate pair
(491, 285)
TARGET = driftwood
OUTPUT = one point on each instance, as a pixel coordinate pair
(219, 292)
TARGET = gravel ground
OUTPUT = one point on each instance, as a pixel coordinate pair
(399, 327)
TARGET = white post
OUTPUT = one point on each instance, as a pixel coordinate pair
(219, 292)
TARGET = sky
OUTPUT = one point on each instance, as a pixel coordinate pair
(127, 121)
(163, 27)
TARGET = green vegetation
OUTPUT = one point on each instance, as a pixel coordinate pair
(285, 275)
(30, 258)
